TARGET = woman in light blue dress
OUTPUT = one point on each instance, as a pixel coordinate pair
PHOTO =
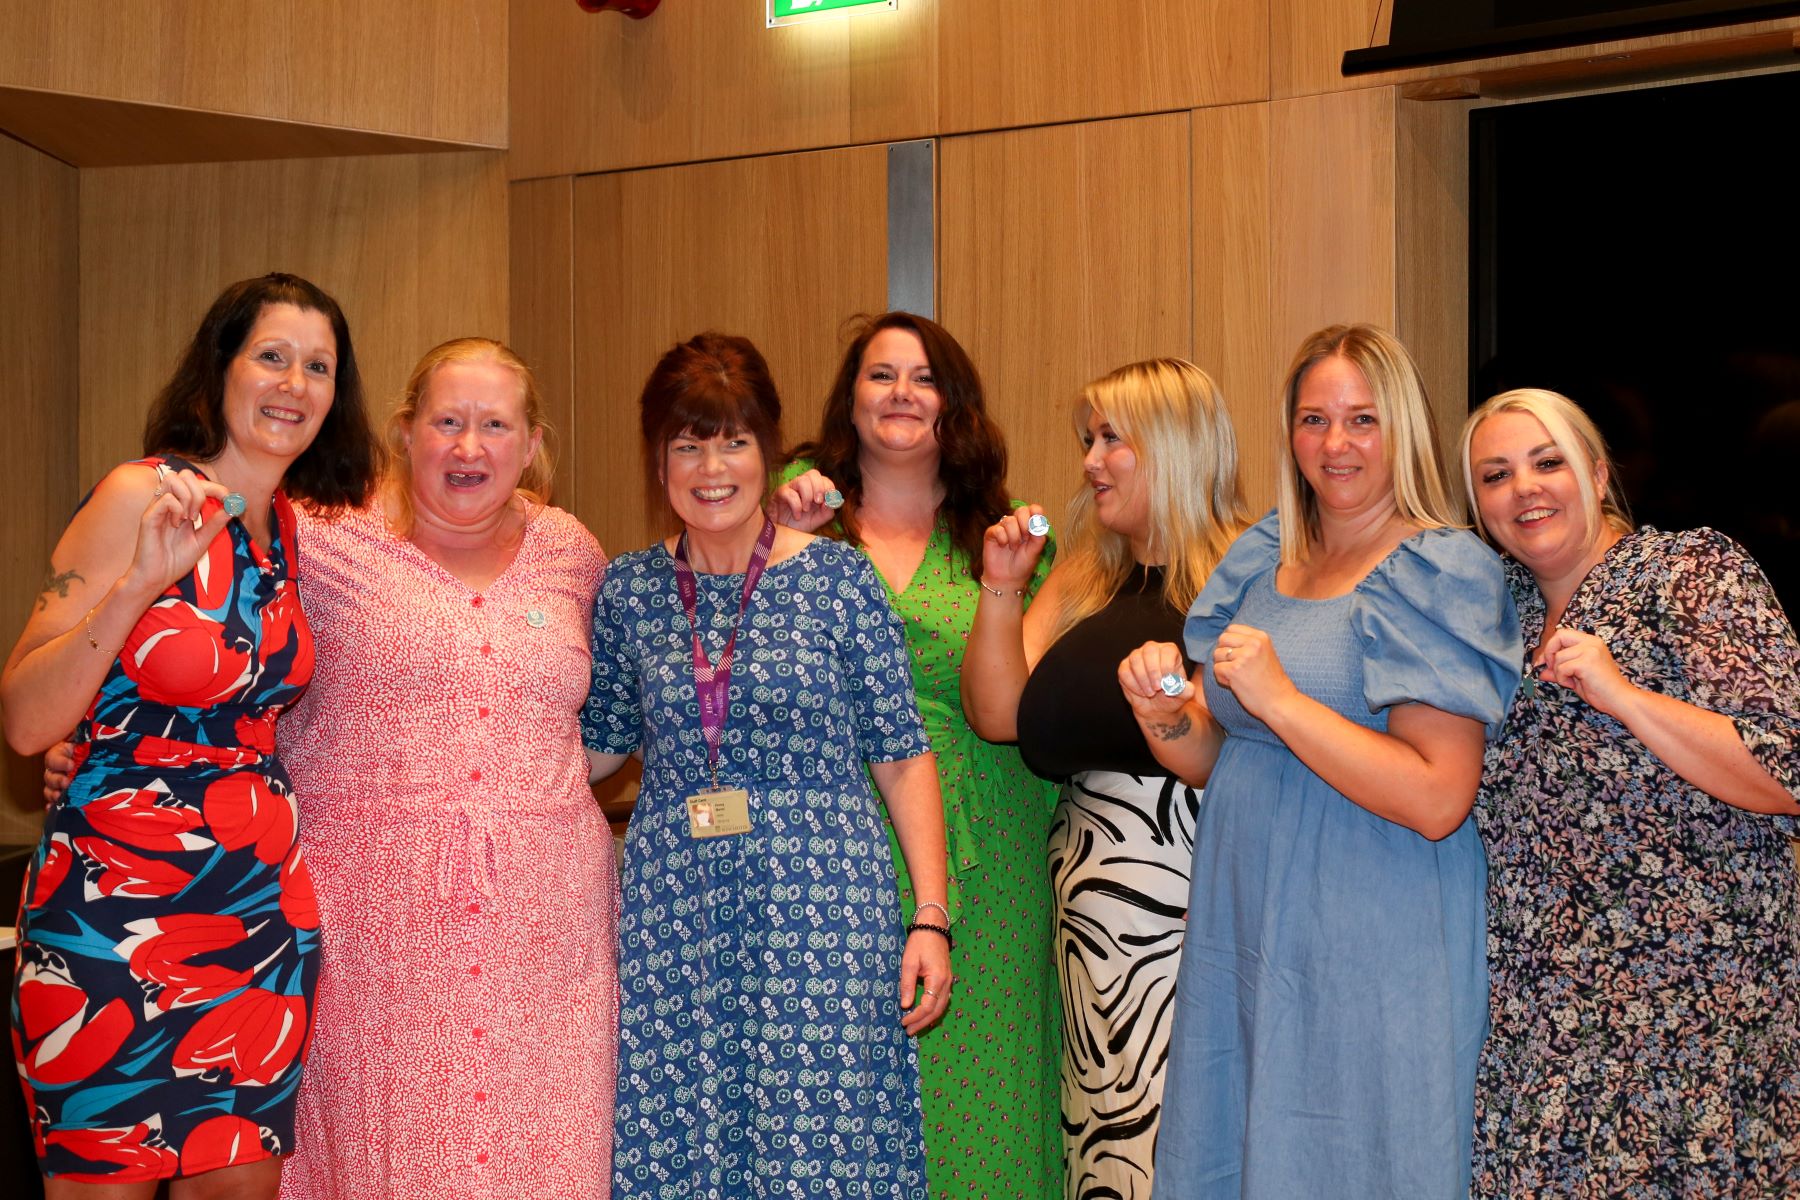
(769, 982)
(1356, 650)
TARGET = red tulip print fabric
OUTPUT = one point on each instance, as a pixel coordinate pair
(169, 932)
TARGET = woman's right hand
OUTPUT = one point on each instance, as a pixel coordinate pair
(1141, 675)
(800, 502)
(59, 768)
(1010, 551)
(171, 534)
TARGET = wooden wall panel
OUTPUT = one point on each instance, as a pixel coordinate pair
(429, 68)
(1027, 62)
(1064, 252)
(541, 310)
(778, 249)
(1231, 282)
(699, 80)
(1331, 182)
(38, 353)
(696, 80)
(1307, 40)
(1431, 223)
(413, 246)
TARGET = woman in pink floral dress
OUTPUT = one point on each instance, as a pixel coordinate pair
(466, 1027)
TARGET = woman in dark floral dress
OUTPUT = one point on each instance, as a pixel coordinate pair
(1644, 920)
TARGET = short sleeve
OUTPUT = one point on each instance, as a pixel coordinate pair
(612, 720)
(1256, 550)
(1737, 648)
(1439, 627)
(876, 667)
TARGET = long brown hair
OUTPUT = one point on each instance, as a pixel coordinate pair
(972, 451)
(188, 415)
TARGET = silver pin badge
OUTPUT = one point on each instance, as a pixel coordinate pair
(536, 618)
(234, 504)
(1038, 525)
(833, 499)
(1172, 684)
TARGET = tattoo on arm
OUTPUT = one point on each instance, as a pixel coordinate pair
(1173, 731)
(58, 582)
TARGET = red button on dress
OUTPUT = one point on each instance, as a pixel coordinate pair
(476, 602)
(475, 776)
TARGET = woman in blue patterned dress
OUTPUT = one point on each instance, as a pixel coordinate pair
(1644, 911)
(169, 936)
(1356, 650)
(768, 987)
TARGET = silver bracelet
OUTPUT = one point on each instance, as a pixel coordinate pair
(993, 591)
(931, 904)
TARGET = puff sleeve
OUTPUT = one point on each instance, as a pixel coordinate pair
(1438, 627)
(1256, 550)
(1737, 648)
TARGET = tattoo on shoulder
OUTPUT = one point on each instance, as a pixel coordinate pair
(58, 582)
(1173, 730)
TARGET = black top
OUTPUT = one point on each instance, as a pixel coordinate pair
(1072, 716)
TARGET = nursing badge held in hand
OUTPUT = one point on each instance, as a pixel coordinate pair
(1172, 684)
(833, 499)
(1038, 525)
(234, 504)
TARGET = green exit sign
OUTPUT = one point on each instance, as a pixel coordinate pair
(789, 12)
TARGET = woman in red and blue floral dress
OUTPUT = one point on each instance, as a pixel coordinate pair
(169, 936)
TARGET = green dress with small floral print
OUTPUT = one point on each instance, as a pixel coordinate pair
(988, 1071)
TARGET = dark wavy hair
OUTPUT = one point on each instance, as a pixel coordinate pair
(188, 416)
(712, 383)
(972, 463)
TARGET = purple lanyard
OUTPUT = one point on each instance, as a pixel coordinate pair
(713, 684)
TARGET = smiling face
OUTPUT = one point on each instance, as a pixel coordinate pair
(1121, 494)
(896, 403)
(469, 443)
(715, 484)
(1337, 439)
(280, 384)
(1530, 499)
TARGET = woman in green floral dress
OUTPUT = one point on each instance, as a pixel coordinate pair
(909, 467)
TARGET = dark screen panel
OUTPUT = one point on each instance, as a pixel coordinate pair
(1636, 252)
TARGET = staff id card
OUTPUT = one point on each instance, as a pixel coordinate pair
(718, 812)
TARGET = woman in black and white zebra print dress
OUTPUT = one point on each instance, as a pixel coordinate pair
(1160, 505)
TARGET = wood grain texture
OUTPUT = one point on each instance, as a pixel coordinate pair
(38, 356)
(413, 246)
(1308, 38)
(541, 309)
(1026, 62)
(1063, 253)
(1332, 213)
(426, 68)
(778, 249)
(1431, 222)
(87, 132)
(1231, 282)
(698, 80)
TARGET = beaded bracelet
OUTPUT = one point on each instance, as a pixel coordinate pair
(942, 930)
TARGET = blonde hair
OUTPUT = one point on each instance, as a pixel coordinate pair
(1170, 413)
(1575, 434)
(1409, 443)
(534, 482)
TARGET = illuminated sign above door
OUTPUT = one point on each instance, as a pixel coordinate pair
(792, 12)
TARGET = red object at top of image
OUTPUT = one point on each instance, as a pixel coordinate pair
(637, 10)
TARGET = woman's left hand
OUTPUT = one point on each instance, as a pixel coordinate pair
(1582, 663)
(1245, 663)
(925, 978)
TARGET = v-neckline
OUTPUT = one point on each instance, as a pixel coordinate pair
(896, 592)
